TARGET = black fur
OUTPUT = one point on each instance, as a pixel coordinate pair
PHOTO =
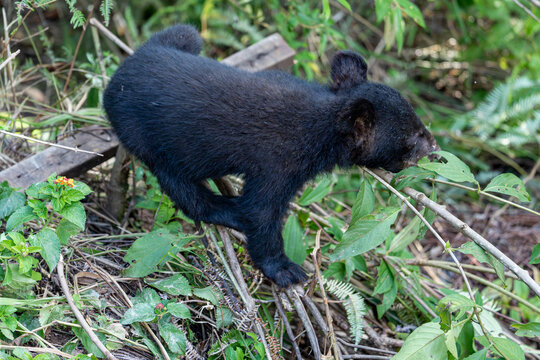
(191, 118)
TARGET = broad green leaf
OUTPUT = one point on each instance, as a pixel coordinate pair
(364, 235)
(345, 4)
(224, 317)
(381, 8)
(65, 230)
(82, 187)
(207, 293)
(179, 310)
(530, 329)
(316, 194)
(450, 341)
(397, 19)
(508, 349)
(293, 240)
(411, 175)
(89, 346)
(148, 251)
(479, 355)
(481, 255)
(173, 285)
(146, 296)
(389, 298)
(174, 337)
(406, 236)
(12, 202)
(75, 213)
(49, 243)
(326, 9)
(426, 342)
(453, 169)
(364, 203)
(457, 302)
(73, 195)
(509, 184)
(385, 279)
(535, 256)
(39, 207)
(412, 10)
(20, 216)
(22, 353)
(465, 340)
(139, 313)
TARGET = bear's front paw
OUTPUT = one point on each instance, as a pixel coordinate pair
(283, 271)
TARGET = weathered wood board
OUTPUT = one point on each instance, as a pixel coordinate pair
(270, 53)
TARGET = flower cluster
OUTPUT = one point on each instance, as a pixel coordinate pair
(65, 181)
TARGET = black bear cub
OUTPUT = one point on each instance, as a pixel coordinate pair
(191, 118)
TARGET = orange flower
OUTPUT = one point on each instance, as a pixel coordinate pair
(65, 181)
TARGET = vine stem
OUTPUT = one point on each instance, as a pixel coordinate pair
(482, 192)
(443, 243)
(468, 232)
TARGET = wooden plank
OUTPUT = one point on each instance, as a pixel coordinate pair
(38, 167)
(270, 53)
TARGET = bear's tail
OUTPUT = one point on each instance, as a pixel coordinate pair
(181, 37)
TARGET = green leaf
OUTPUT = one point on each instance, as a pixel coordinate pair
(49, 243)
(12, 202)
(75, 213)
(397, 19)
(453, 169)
(535, 256)
(65, 230)
(457, 302)
(382, 7)
(406, 236)
(88, 344)
(173, 285)
(364, 235)
(138, 313)
(293, 240)
(82, 187)
(530, 329)
(20, 216)
(39, 208)
(481, 255)
(72, 195)
(208, 294)
(179, 310)
(345, 4)
(364, 203)
(388, 299)
(146, 296)
(316, 194)
(426, 342)
(326, 9)
(508, 349)
(385, 279)
(174, 338)
(479, 355)
(22, 354)
(148, 251)
(509, 184)
(412, 10)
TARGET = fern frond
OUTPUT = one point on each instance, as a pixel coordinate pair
(353, 303)
(77, 19)
(106, 8)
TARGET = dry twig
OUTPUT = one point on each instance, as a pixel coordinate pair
(77, 313)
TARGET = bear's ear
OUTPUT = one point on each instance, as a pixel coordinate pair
(358, 119)
(348, 69)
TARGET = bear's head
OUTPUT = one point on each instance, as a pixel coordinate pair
(381, 127)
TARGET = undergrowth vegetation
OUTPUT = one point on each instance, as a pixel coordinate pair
(393, 274)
